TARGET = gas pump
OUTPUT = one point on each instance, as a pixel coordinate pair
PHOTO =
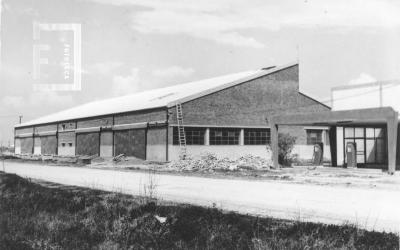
(318, 154)
(351, 155)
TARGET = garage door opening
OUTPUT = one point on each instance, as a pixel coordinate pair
(131, 143)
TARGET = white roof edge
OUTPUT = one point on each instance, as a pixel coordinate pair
(32, 123)
(48, 119)
(231, 84)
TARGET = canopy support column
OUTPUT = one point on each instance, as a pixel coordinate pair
(274, 145)
(392, 123)
(333, 145)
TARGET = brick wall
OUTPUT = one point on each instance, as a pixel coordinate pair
(97, 122)
(141, 116)
(252, 103)
(298, 131)
(45, 128)
(19, 131)
(67, 125)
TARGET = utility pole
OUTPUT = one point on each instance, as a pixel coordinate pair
(2, 156)
(20, 119)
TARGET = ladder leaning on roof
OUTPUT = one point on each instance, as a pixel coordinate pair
(181, 131)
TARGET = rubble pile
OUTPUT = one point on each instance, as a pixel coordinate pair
(254, 162)
(209, 162)
(119, 158)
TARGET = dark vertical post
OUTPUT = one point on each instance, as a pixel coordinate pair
(15, 140)
(57, 139)
(76, 142)
(112, 131)
(392, 123)
(333, 145)
(100, 140)
(274, 144)
(167, 139)
(146, 131)
(33, 141)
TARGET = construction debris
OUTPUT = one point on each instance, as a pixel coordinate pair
(119, 158)
(209, 162)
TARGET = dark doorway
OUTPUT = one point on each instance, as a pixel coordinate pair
(88, 144)
(48, 145)
(131, 143)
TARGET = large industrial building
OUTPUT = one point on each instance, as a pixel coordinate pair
(228, 115)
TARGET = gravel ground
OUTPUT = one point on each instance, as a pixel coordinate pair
(369, 208)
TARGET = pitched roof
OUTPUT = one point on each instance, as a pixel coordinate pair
(155, 98)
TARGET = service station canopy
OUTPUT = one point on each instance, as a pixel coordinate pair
(384, 115)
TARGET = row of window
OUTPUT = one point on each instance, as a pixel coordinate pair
(230, 136)
(63, 144)
(223, 136)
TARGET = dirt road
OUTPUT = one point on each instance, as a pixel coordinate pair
(368, 208)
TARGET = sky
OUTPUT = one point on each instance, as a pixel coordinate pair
(129, 46)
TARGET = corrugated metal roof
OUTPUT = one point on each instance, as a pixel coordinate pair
(155, 98)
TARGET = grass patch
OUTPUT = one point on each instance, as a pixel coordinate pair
(34, 216)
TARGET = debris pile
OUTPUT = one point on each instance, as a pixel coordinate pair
(254, 162)
(118, 158)
(209, 162)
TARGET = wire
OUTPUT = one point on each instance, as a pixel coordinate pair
(326, 102)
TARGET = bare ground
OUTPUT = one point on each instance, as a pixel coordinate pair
(371, 201)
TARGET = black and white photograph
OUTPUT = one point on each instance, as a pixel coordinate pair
(212, 124)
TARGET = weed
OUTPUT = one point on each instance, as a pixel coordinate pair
(36, 217)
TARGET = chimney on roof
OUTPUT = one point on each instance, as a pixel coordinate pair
(267, 68)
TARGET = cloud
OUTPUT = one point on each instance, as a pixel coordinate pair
(362, 78)
(38, 99)
(123, 85)
(173, 71)
(225, 21)
(103, 68)
(13, 101)
(51, 98)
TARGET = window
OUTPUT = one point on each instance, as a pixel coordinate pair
(224, 136)
(194, 136)
(257, 136)
(63, 127)
(314, 136)
(370, 144)
(70, 144)
(63, 144)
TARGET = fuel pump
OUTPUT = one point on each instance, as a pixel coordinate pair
(351, 155)
(318, 154)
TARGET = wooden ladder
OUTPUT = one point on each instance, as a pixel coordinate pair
(181, 131)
